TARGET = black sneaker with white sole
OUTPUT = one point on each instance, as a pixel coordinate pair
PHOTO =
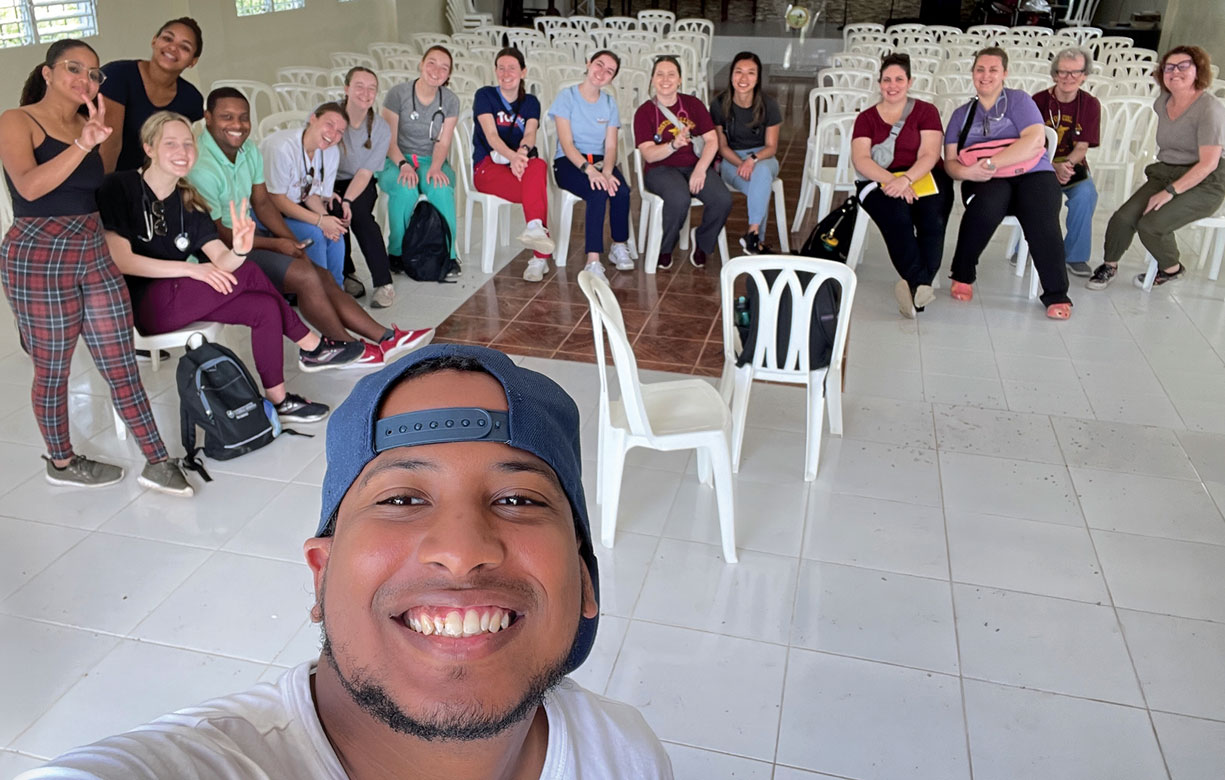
(1101, 276)
(330, 354)
(296, 409)
(1162, 277)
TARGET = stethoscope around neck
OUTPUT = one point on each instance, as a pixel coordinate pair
(182, 241)
(416, 112)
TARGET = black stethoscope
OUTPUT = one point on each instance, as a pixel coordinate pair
(308, 168)
(182, 241)
(416, 114)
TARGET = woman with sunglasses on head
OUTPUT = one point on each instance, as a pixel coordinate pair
(421, 114)
(504, 157)
(896, 143)
(747, 121)
(363, 151)
(586, 160)
(156, 223)
(1188, 180)
(300, 165)
(56, 270)
(666, 131)
(995, 145)
(135, 89)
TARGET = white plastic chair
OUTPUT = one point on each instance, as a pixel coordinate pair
(1018, 246)
(792, 364)
(846, 59)
(1080, 12)
(1132, 87)
(651, 221)
(833, 132)
(942, 31)
(1105, 47)
(281, 120)
(1082, 34)
(656, 21)
(381, 49)
(859, 27)
(620, 23)
(491, 205)
(847, 78)
(349, 59)
(1128, 132)
(684, 414)
(301, 74)
(561, 201)
(175, 339)
(253, 91)
(1031, 31)
(549, 24)
(300, 97)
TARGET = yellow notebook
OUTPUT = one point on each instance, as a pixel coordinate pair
(923, 186)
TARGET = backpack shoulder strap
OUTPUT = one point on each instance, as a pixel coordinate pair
(965, 127)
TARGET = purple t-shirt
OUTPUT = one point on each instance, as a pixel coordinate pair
(1013, 112)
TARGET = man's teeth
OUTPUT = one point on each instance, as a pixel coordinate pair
(455, 623)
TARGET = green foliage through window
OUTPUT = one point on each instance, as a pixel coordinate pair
(254, 7)
(35, 22)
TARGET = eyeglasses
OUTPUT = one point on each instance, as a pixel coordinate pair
(75, 68)
(1067, 74)
(1183, 66)
(158, 210)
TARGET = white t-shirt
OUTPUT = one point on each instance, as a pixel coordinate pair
(287, 169)
(272, 731)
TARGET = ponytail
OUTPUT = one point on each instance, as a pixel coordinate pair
(369, 126)
(35, 87)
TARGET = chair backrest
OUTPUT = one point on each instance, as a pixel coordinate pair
(495, 34)
(463, 153)
(942, 31)
(912, 39)
(347, 59)
(6, 207)
(547, 24)
(1104, 46)
(833, 136)
(874, 50)
(1120, 56)
(922, 82)
(634, 53)
(851, 29)
(301, 74)
(1080, 12)
(463, 41)
(1129, 127)
(1124, 87)
(606, 319)
(920, 63)
(1025, 66)
(847, 78)
(648, 37)
(300, 97)
(585, 23)
(257, 93)
(1031, 30)
(465, 86)
(1082, 34)
(834, 100)
(867, 36)
(656, 21)
(1029, 82)
(693, 24)
(381, 49)
(620, 23)
(844, 59)
(1052, 141)
(959, 51)
(578, 45)
(1129, 70)
(281, 120)
(955, 84)
(989, 32)
(526, 40)
(792, 362)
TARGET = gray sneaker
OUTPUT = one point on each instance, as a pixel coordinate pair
(330, 354)
(83, 472)
(1080, 269)
(166, 477)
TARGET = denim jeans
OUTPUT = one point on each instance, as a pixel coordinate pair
(757, 187)
(1082, 200)
(324, 252)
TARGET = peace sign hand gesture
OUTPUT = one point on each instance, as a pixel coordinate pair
(95, 130)
(243, 228)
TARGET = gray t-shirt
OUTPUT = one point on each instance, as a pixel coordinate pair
(1179, 140)
(739, 128)
(415, 135)
(354, 156)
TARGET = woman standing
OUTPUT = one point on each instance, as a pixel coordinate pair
(422, 116)
(586, 160)
(666, 129)
(57, 273)
(747, 121)
(136, 89)
(504, 157)
(363, 150)
(1186, 183)
(896, 143)
(155, 221)
(1017, 178)
(300, 174)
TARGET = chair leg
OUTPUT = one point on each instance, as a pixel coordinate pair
(655, 236)
(612, 463)
(780, 217)
(833, 397)
(1033, 279)
(504, 224)
(740, 411)
(632, 244)
(725, 496)
(682, 241)
(468, 227)
(726, 381)
(803, 203)
(1218, 252)
(121, 430)
(490, 237)
(816, 414)
(727, 258)
(704, 472)
(561, 238)
(644, 228)
(1151, 273)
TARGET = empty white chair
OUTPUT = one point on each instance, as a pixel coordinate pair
(988, 32)
(1080, 12)
(301, 97)
(1128, 134)
(942, 31)
(651, 221)
(381, 49)
(281, 120)
(548, 24)
(261, 98)
(526, 40)
(1082, 34)
(300, 74)
(656, 21)
(1104, 47)
(348, 59)
(1143, 87)
(492, 207)
(1029, 82)
(851, 29)
(833, 132)
(847, 78)
(620, 23)
(684, 414)
(792, 363)
(1031, 31)
(854, 61)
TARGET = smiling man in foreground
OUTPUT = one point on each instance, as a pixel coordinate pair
(456, 584)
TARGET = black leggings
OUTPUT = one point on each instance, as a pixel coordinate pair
(914, 232)
(369, 234)
(1034, 199)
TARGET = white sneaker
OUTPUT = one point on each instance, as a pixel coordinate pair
(384, 296)
(536, 269)
(536, 238)
(597, 268)
(620, 257)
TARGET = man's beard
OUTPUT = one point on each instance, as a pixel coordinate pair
(463, 724)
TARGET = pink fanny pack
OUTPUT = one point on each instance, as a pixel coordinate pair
(981, 151)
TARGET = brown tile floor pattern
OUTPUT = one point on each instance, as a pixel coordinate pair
(672, 318)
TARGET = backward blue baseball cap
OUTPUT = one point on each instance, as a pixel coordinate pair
(541, 419)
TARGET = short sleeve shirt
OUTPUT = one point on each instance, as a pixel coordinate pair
(1013, 112)
(650, 124)
(589, 121)
(420, 123)
(1077, 121)
(220, 181)
(124, 86)
(738, 126)
(288, 172)
(354, 156)
(509, 117)
(923, 116)
(1179, 140)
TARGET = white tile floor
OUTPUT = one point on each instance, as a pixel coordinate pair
(1011, 566)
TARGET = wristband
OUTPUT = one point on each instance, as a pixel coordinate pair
(319, 222)
(753, 156)
(240, 254)
(402, 163)
(346, 200)
(1170, 189)
(77, 143)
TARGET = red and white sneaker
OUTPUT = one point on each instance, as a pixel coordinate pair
(405, 341)
(371, 358)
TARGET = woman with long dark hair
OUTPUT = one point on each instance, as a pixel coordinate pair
(57, 273)
(747, 121)
(137, 89)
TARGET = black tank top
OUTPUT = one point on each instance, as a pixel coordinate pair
(75, 196)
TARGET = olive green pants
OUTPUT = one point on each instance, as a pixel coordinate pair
(1157, 227)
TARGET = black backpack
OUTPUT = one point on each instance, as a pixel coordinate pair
(829, 240)
(218, 394)
(427, 244)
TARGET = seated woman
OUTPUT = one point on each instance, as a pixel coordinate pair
(135, 89)
(300, 174)
(504, 157)
(587, 122)
(664, 131)
(1188, 180)
(422, 115)
(1008, 181)
(747, 121)
(155, 221)
(896, 143)
(363, 150)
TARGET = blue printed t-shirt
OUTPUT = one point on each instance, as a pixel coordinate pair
(509, 117)
(124, 86)
(588, 121)
(220, 181)
(1013, 111)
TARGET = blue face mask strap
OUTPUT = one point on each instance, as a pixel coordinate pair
(440, 426)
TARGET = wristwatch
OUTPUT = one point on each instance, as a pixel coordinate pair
(346, 200)
(402, 163)
(753, 156)
(1170, 189)
(583, 168)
